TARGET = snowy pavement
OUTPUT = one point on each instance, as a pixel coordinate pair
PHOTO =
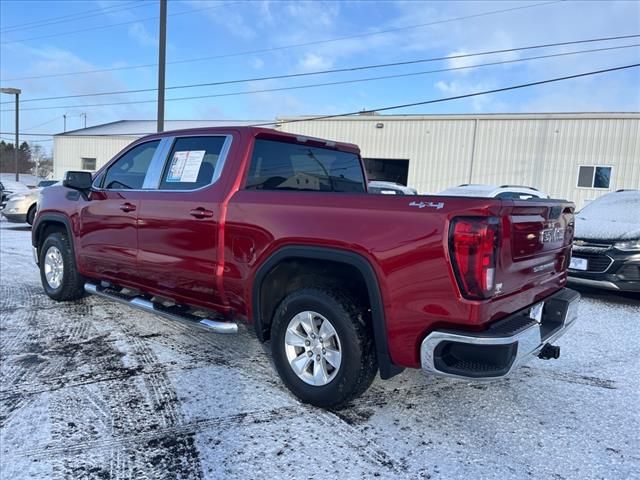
(94, 389)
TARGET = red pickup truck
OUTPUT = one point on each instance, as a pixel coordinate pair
(220, 225)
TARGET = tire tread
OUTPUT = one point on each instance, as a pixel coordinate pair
(72, 287)
(362, 335)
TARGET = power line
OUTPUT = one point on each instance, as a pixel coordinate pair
(11, 140)
(341, 82)
(30, 134)
(408, 105)
(75, 16)
(10, 27)
(285, 47)
(457, 97)
(57, 117)
(114, 24)
(337, 70)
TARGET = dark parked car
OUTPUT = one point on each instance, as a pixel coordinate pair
(606, 248)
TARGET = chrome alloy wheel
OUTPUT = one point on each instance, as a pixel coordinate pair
(313, 348)
(53, 267)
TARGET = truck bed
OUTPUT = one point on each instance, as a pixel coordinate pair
(405, 240)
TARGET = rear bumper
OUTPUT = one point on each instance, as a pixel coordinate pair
(499, 350)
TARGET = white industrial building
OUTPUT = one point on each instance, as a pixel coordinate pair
(577, 156)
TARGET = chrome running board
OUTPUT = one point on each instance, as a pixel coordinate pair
(148, 306)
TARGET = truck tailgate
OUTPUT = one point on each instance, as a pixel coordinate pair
(536, 247)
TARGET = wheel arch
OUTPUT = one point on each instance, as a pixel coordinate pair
(337, 256)
(44, 222)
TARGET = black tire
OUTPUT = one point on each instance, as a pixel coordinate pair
(31, 215)
(358, 367)
(72, 284)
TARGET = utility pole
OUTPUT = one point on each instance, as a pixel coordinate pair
(161, 63)
(64, 129)
(85, 119)
(16, 150)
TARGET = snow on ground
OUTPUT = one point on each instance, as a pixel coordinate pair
(94, 389)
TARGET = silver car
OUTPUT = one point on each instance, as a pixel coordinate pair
(21, 207)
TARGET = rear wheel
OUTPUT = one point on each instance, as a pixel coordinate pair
(58, 272)
(322, 347)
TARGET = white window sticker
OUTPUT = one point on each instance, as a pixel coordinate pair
(185, 166)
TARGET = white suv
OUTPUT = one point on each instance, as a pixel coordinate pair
(515, 192)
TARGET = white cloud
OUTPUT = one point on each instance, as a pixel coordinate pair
(138, 32)
(229, 17)
(256, 63)
(52, 60)
(550, 23)
(456, 88)
(314, 14)
(312, 61)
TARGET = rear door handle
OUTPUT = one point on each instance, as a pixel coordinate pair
(127, 207)
(201, 213)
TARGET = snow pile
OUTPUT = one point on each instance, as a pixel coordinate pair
(615, 216)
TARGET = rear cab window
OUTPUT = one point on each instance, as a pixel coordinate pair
(277, 165)
(194, 162)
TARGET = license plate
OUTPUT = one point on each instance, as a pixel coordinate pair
(577, 263)
(536, 312)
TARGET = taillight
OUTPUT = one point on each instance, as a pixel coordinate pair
(473, 243)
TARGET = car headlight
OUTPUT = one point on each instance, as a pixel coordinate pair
(17, 197)
(628, 246)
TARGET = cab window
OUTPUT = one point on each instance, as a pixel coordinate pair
(290, 166)
(192, 163)
(128, 172)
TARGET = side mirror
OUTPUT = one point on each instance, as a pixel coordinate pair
(78, 180)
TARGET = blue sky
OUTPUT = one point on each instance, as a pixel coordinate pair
(205, 28)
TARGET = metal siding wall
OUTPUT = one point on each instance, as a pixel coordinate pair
(543, 152)
(68, 151)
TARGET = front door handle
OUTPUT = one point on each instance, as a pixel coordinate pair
(201, 213)
(127, 207)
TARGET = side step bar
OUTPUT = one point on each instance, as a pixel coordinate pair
(144, 304)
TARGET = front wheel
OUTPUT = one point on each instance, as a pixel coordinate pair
(58, 272)
(322, 347)
(31, 215)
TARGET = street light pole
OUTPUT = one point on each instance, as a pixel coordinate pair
(16, 152)
(161, 63)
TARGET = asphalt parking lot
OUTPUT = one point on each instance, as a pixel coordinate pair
(94, 389)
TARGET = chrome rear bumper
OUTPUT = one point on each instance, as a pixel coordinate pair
(499, 350)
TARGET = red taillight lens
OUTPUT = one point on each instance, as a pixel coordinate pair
(473, 243)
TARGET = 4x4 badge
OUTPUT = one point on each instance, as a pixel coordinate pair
(435, 205)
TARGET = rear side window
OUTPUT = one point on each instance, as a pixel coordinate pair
(129, 170)
(289, 166)
(192, 163)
